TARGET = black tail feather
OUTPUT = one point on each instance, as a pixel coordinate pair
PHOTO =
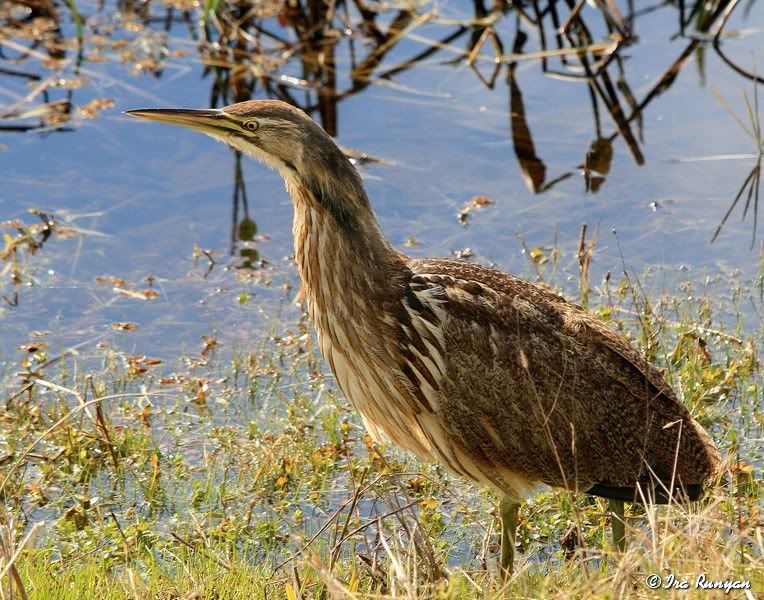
(650, 492)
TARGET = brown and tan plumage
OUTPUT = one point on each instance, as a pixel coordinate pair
(503, 382)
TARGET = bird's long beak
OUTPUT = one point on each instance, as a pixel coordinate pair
(209, 121)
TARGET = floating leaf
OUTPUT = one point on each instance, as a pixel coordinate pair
(92, 108)
(113, 281)
(475, 203)
(138, 295)
(209, 345)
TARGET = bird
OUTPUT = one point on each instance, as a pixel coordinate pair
(505, 383)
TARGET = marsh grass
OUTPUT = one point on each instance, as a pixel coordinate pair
(231, 473)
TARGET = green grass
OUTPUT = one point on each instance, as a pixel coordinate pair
(245, 475)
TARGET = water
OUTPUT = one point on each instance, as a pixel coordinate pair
(150, 194)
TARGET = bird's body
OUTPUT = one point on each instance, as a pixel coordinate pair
(505, 383)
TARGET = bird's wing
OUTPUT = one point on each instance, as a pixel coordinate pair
(535, 385)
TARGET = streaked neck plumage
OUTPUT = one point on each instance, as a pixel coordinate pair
(339, 245)
(355, 285)
(345, 262)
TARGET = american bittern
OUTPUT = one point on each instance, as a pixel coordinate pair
(505, 383)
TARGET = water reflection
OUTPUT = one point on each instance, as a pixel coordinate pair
(243, 228)
(584, 47)
(316, 55)
(531, 166)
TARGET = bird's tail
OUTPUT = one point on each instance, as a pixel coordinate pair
(648, 492)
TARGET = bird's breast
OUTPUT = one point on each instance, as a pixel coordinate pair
(359, 338)
(390, 362)
(369, 376)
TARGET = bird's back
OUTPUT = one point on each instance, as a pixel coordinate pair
(537, 387)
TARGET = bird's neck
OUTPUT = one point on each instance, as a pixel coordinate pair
(346, 266)
(354, 283)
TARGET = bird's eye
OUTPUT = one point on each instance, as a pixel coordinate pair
(251, 125)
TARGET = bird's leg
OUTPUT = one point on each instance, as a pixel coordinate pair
(508, 511)
(618, 524)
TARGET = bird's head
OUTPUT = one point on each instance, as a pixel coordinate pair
(286, 139)
(269, 130)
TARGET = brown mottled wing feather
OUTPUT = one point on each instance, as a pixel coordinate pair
(538, 386)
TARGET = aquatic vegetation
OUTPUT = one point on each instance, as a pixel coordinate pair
(244, 468)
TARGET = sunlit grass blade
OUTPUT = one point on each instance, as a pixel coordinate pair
(77, 17)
